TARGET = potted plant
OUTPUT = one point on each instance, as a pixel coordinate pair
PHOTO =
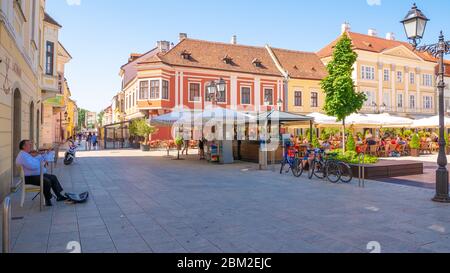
(447, 143)
(414, 145)
(179, 142)
(141, 128)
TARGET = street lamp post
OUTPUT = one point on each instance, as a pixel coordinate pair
(415, 23)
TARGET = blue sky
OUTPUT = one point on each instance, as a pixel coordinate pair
(100, 34)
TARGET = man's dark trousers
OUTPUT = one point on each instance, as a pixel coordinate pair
(51, 182)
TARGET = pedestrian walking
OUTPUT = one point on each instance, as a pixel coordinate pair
(88, 142)
(94, 141)
(186, 139)
(201, 148)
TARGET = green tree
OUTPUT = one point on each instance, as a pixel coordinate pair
(100, 117)
(350, 145)
(341, 98)
(81, 118)
(140, 127)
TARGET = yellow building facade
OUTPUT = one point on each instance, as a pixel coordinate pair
(20, 96)
(395, 78)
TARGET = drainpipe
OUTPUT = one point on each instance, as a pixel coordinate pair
(285, 75)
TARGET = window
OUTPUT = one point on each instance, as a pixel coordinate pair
(268, 96)
(194, 92)
(143, 90)
(134, 99)
(222, 96)
(412, 78)
(298, 98)
(314, 99)
(400, 100)
(129, 101)
(399, 76)
(126, 102)
(412, 102)
(165, 90)
(428, 102)
(427, 80)
(367, 72)
(154, 90)
(386, 76)
(245, 95)
(49, 58)
(387, 99)
(370, 95)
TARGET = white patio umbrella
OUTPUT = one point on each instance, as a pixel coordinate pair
(324, 120)
(177, 116)
(431, 122)
(223, 115)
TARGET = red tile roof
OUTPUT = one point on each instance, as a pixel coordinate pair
(130, 69)
(302, 65)
(372, 44)
(447, 68)
(210, 55)
(240, 58)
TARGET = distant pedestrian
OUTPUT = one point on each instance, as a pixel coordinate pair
(186, 139)
(88, 142)
(94, 141)
(201, 148)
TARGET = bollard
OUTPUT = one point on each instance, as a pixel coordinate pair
(6, 225)
(361, 170)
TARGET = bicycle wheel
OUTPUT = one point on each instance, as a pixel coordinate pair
(311, 169)
(319, 170)
(346, 172)
(333, 172)
(297, 169)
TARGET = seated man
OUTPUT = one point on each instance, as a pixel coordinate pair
(31, 164)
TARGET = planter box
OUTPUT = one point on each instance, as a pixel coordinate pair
(388, 168)
(145, 148)
(415, 153)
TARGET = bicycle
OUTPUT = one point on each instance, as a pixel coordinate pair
(325, 166)
(346, 172)
(291, 159)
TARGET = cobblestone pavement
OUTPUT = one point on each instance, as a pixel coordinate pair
(146, 202)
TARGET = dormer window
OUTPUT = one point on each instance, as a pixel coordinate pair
(186, 55)
(227, 59)
(257, 63)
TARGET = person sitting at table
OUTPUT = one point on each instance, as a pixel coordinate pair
(31, 164)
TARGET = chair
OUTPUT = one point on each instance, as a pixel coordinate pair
(374, 150)
(425, 148)
(31, 188)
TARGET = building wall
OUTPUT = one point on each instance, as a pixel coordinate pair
(387, 91)
(306, 87)
(18, 52)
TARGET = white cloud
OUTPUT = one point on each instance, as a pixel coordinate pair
(370, 2)
(73, 2)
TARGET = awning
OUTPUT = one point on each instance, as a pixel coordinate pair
(178, 116)
(431, 122)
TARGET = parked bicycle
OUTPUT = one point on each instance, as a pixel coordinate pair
(292, 160)
(328, 166)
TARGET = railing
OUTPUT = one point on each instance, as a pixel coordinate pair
(6, 225)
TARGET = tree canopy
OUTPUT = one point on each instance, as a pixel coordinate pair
(341, 98)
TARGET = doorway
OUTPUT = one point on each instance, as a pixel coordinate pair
(33, 140)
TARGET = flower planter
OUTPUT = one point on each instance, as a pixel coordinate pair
(145, 148)
(415, 153)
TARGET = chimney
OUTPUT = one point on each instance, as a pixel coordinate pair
(345, 27)
(183, 36)
(372, 32)
(234, 40)
(163, 46)
(134, 56)
(390, 36)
